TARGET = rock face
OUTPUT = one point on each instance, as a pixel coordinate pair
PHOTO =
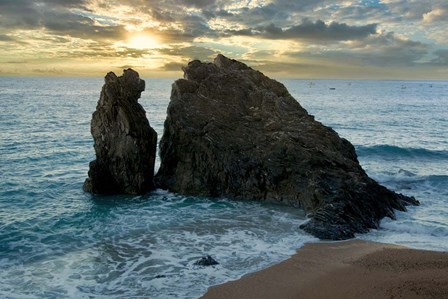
(124, 142)
(233, 132)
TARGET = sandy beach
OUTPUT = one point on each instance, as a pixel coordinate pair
(349, 269)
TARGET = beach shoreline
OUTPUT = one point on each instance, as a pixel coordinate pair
(347, 269)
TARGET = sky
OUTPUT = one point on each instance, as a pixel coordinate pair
(364, 39)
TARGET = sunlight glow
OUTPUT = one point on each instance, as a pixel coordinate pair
(142, 41)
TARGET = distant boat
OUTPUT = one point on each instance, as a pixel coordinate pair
(332, 88)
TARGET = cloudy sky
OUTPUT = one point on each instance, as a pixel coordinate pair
(380, 39)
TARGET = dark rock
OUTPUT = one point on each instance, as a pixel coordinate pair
(124, 142)
(231, 131)
(206, 261)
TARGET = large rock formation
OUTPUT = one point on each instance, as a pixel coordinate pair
(125, 144)
(233, 132)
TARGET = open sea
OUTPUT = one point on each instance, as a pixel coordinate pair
(58, 242)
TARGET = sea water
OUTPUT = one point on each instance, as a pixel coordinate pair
(58, 242)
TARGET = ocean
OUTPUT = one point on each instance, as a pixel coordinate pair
(58, 242)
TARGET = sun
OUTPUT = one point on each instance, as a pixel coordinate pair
(142, 41)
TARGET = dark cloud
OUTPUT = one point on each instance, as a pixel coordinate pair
(321, 31)
(282, 13)
(65, 3)
(300, 6)
(441, 57)
(22, 14)
(161, 14)
(56, 17)
(6, 38)
(382, 50)
(198, 3)
(251, 17)
(29, 14)
(173, 66)
(191, 52)
(309, 30)
(195, 26)
(173, 4)
(166, 11)
(11, 40)
(220, 13)
(65, 23)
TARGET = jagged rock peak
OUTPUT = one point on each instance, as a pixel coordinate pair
(124, 142)
(197, 71)
(233, 132)
(130, 86)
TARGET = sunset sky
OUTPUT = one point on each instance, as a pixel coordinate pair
(378, 39)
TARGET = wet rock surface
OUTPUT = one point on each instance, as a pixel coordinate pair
(206, 261)
(124, 142)
(233, 132)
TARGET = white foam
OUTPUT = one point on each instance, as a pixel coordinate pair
(152, 249)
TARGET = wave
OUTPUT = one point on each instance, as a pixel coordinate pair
(391, 151)
(437, 179)
(415, 227)
(417, 185)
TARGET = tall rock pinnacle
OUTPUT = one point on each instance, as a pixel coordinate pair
(124, 142)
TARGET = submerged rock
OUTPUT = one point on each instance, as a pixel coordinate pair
(231, 131)
(124, 142)
(206, 261)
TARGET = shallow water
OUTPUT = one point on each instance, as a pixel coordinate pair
(56, 241)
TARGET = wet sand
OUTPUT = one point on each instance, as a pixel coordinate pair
(349, 269)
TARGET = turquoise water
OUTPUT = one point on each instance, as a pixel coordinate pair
(58, 242)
